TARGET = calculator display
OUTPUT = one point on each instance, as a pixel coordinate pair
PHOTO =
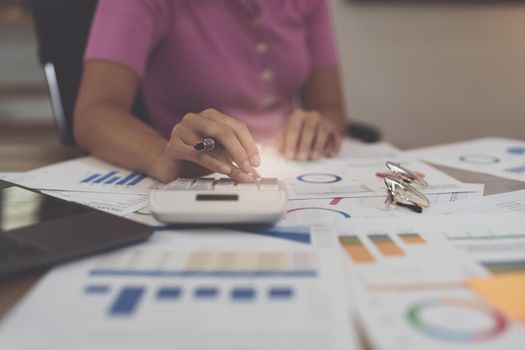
(217, 197)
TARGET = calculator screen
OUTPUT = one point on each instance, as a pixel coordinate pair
(217, 197)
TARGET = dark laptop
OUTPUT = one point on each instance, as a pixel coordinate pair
(39, 231)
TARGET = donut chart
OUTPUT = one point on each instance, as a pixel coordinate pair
(455, 308)
(319, 178)
(340, 212)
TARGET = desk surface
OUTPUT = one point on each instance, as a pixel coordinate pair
(25, 148)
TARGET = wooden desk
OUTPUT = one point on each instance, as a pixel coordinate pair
(37, 147)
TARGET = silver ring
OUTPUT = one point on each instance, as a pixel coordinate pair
(206, 145)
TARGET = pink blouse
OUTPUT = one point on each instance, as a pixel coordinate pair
(245, 58)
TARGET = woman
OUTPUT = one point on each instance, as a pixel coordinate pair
(233, 70)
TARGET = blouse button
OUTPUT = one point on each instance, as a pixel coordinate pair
(257, 22)
(262, 47)
(268, 101)
(266, 75)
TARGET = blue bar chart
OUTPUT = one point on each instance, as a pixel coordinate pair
(128, 298)
(127, 301)
(113, 178)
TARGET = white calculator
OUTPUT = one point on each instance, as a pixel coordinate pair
(209, 200)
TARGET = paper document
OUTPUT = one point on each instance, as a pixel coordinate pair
(494, 156)
(356, 149)
(198, 289)
(89, 174)
(339, 208)
(11, 176)
(408, 278)
(510, 202)
(504, 292)
(350, 177)
(113, 203)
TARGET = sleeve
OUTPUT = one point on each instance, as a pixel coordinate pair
(320, 35)
(127, 31)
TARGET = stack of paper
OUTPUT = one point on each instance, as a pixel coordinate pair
(408, 276)
(198, 289)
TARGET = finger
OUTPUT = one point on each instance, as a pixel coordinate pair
(291, 134)
(279, 141)
(321, 140)
(336, 141)
(222, 133)
(240, 176)
(236, 173)
(190, 138)
(307, 137)
(241, 131)
(186, 135)
(180, 150)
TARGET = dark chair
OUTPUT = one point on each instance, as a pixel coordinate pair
(62, 28)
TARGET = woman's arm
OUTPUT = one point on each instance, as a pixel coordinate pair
(316, 129)
(104, 125)
(322, 92)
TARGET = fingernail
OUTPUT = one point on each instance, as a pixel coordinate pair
(246, 177)
(246, 166)
(226, 170)
(302, 156)
(256, 161)
(289, 155)
(315, 155)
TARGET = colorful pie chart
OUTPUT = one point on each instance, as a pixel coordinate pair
(456, 320)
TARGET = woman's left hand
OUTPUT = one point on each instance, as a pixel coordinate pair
(308, 136)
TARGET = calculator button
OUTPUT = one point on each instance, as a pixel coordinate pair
(203, 184)
(268, 184)
(225, 183)
(247, 186)
(179, 185)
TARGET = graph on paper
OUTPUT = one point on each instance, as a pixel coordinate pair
(113, 178)
(89, 174)
(209, 264)
(125, 301)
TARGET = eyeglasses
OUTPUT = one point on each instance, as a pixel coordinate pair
(403, 188)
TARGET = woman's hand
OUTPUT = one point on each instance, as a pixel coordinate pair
(235, 155)
(308, 136)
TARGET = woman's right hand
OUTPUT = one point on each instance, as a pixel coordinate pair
(235, 155)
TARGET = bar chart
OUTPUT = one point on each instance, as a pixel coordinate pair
(386, 245)
(127, 299)
(356, 250)
(506, 266)
(359, 248)
(113, 178)
(210, 264)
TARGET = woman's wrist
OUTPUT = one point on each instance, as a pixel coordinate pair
(157, 166)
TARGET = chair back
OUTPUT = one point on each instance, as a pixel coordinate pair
(62, 29)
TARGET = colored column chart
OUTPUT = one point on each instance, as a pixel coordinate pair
(386, 245)
(507, 266)
(90, 174)
(411, 238)
(109, 178)
(127, 300)
(356, 250)
(212, 264)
